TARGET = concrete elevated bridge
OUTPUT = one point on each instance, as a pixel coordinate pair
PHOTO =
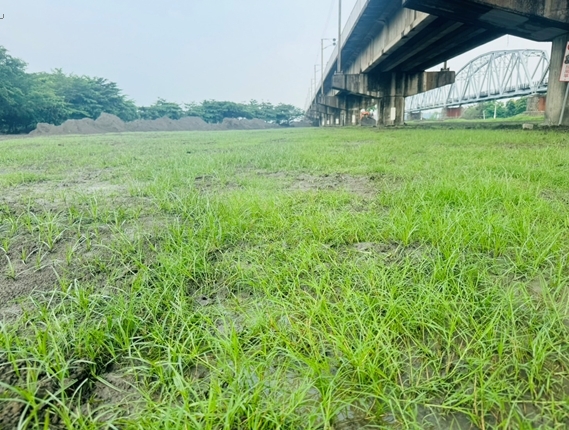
(387, 46)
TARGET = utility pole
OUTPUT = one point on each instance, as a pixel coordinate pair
(339, 36)
(322, 47)
(339, 69)
(315, 79)
(322, 68)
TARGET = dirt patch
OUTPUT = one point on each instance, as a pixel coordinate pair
(54, 230)
(13, 410)
(107, 123)
(361, 185)
(365, 186)
(26, 280)
(212, 184)
(389, 253)
(9, 314)
(115, 389)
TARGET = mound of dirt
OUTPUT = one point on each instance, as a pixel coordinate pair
(107, 123)
(244, 124)
(112, 123)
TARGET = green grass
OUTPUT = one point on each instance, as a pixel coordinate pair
(286, 279)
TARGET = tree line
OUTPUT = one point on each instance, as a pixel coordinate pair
(27, 99)
(496, 109)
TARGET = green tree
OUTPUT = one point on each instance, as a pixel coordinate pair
(473, 112)
(215, 111)
(87, 97)
(14, 87)
(510, 108)
(521, 105)
(160, 109)
(194, 109)
(495, 109)
(286, 114)
(26, 99)
(263, 110)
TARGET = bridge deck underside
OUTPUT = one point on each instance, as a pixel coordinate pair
(432, 44)
(529, 19)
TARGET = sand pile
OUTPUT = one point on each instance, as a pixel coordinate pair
(107, 123)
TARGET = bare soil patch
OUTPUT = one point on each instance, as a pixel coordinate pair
(360, 185)
(48, 244)
(367, 186)
(211, 183)
(388, 253)
(90, 388)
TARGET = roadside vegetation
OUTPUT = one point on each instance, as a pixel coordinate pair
(497, 109)
(285, 279)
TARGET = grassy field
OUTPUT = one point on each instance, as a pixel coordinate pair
(285, 279)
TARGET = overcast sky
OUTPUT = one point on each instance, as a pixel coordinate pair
(186, 50)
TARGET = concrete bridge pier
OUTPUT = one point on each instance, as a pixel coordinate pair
(328, 109)
(355, 107)
(388, 90)
(393, 103)
(343, 104)
(332, 119)
(416, 116)
(393, 111)
(452, 112)
(556, 89)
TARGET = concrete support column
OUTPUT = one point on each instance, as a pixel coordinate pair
(452, 112)
(353, 116)
(416, 116)
(380, 112)
(536, 104)
(556, 89)
(376, 102)
(393, 111)
(343, 104)
(353, 107)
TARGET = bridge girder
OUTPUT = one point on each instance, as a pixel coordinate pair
(541, 20)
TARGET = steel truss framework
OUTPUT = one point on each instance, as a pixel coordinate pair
(492, 76)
